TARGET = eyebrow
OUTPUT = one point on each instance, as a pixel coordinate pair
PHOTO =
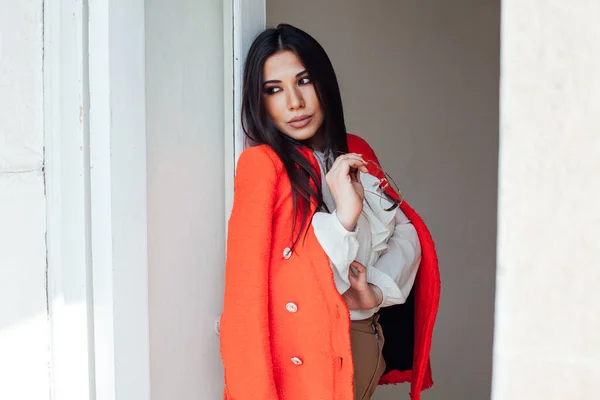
(277, 81)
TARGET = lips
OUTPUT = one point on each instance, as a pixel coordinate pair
(300, 122)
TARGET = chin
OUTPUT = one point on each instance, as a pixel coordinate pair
(301, 134)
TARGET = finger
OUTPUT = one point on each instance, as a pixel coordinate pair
(353, 281)
(349, 164)
(361, 165)
(346, 166)
(345, 157)
(357, 265)
(360, 269)
(349, 155)
(362, 276)
(360, 157)
(357, 284)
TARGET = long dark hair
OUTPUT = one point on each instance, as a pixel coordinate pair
(259, 129)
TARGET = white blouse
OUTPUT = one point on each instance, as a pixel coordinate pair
(385, 242)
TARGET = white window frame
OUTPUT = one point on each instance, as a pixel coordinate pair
(94, 110)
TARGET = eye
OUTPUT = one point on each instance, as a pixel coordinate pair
(305, 80)
(272, 90)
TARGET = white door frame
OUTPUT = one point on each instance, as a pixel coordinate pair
(244, 19)
(95, 165)
(94, 110)
(117, 66)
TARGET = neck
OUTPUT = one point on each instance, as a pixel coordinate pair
(317, 142)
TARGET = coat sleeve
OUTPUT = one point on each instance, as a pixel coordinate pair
(244, 328)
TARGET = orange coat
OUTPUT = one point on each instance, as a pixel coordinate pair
(285, 330)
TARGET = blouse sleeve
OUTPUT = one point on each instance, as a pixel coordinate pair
(395, 271)
(340, 245)
(244, 328)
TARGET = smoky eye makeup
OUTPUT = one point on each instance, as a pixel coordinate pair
(269, 90)
(302, 79)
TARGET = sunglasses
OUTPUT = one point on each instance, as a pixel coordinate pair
(387, 190)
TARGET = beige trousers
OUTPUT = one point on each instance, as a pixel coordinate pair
(369, 365)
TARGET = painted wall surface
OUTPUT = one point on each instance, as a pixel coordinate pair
(419, 81)
(24, 329)
(186, 224)
(548, 304)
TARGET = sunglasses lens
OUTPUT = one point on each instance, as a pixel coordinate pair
(386, 203)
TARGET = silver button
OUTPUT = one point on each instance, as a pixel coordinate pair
(287, 253)
(291, 307)
(296, 361)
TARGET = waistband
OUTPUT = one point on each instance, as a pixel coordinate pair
(368, 325)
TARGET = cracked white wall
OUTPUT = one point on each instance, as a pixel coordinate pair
(24, 355)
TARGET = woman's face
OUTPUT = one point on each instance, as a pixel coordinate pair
(290, 97)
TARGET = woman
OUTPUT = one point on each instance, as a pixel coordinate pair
(320, 258)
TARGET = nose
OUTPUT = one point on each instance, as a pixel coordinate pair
(295, 99)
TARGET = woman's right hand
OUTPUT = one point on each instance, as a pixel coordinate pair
(346, 189)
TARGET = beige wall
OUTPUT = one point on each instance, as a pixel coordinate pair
(419, 81)
(186, 200)
(548, 305)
